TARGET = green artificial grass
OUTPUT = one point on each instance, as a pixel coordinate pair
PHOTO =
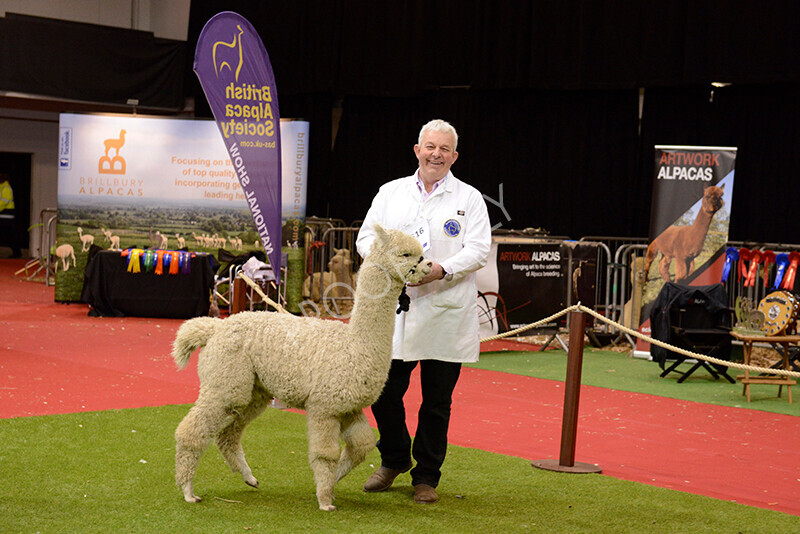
(113, 471)
(619, 371)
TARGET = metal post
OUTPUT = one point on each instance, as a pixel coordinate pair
(569, 422)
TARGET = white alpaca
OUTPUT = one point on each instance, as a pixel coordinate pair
(164, 240)
(330, 369)
(86, 240)
(181, 241)
(339, 272)
(64, 252)
(113, 239)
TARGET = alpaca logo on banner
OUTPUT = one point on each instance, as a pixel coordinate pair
(115, 165)
(233, 48)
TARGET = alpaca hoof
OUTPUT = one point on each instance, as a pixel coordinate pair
(327, 507)
(192, 498)
(252, 482)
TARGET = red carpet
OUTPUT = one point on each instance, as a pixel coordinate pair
(55, 359)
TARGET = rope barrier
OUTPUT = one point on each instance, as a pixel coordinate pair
(580, 307)
(635, 333)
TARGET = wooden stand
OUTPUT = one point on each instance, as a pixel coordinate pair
(777, 380)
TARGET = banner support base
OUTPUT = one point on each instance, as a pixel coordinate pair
(577, 467)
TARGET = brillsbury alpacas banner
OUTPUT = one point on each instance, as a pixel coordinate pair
(150, 182)
(690, 215)
(236, 75)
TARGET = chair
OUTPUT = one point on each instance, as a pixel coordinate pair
(698, 320)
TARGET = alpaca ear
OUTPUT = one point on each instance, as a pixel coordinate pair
(381, 235)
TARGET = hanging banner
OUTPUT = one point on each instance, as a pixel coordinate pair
(294, 158)
(235, 72)
(690, 215)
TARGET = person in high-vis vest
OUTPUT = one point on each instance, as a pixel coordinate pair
(6, 196)
(8, 215)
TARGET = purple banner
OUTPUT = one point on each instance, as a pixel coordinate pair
(234, 70)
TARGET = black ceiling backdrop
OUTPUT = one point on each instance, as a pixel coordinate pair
(545, 95)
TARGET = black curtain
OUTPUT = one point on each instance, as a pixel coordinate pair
(89, 62)
(545, 96)
(565, 160)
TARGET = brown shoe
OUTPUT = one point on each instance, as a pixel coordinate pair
(382, 479)
(425, 494)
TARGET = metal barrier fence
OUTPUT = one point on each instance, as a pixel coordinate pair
(627, 278)
(44, 260)
(619, 270)
(327, 281)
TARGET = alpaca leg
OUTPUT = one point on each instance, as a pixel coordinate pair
(323, 455)
(359, 439)
(663, 267)
(229, 441)
(652, 252)
(681, 269)
(192, 437)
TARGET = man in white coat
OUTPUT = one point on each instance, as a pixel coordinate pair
(440, 329)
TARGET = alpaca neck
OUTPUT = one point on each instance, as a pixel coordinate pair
(701, 223)
(373, 314)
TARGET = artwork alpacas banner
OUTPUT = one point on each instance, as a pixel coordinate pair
(690, 214)
(236, 75)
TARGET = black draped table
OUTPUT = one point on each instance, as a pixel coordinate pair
(113, 291)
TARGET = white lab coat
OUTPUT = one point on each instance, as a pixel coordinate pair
(442, 322)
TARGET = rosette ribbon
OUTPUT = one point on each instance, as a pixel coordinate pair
(782, 261)
(755, 261)
(174, 265)
(160, 262)
(186, 262)
(744, 257)
(788, 280)
(133, 260)
(731, 255)
(149, 260)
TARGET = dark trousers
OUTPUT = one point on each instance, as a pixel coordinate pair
(438, 379)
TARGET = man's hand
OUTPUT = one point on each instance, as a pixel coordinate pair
(437, 273)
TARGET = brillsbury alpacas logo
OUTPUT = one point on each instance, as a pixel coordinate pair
(115, 165)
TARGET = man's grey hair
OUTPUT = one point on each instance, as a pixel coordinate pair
(438, 125)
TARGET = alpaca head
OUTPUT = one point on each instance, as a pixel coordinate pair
(712, 198)
(340, 262)
(399, 255)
